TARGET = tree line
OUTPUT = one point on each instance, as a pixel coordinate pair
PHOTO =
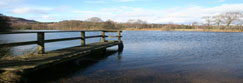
(225, 20)
(228, 20)
(96, 23)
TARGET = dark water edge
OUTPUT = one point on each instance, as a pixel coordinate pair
(54, 73)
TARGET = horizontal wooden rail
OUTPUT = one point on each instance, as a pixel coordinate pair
(93, 36)
(113, 31)
(49, 41)
(63, 39)
(41, 38)
(113, 36)
(19, 32)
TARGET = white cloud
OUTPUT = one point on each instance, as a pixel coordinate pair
(5, 2)
(124, 13)
(176, 15)
(29, 10)
(9, 3)
(48, 17)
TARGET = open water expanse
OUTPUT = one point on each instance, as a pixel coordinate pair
(151, 57)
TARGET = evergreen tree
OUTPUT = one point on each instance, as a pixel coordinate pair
(4, 23)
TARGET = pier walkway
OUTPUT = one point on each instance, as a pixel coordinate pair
(44, 59)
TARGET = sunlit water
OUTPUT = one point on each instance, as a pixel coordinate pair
(162, 56)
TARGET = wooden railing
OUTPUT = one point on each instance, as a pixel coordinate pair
(41, 38)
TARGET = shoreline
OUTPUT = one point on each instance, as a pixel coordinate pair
(157, 29)
(191, 30)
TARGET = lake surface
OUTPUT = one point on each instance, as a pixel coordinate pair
(156, 57)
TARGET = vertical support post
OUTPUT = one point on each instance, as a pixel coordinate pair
(83, 38)
(41, 42)
(119, 36)
(103, 36)
(120, 45)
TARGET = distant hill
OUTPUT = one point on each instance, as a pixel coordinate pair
(21, 20)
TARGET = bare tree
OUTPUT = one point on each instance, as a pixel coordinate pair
(231, 17)
(195, 25)
(208, 20)
(217, 20)
(241, 23)
(109, 24)
(130, 21)
(138, 21)
(94, 19)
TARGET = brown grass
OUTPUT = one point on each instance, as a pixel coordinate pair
(20, 57)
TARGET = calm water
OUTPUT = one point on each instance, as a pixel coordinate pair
(159, 56)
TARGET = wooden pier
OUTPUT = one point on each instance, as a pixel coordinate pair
(44, 59)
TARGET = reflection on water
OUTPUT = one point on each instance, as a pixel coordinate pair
(168, 57)
(65, 69)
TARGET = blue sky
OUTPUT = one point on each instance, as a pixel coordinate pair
(152, 11)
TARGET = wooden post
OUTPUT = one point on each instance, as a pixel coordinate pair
(103, 36)
(83, 38)
(120, 47)
(41, 42)
(119, 36)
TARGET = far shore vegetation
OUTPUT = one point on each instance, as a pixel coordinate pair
(225, 22)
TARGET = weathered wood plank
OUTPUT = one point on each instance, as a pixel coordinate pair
(48, 41)
(74, 38)
(41, 42)
(63, 39)
(21, 32)
(112, 31)
(82, 38)
(113, 36)
(41, 34)
(119, 36)
(103, 36)
(55, 57)
(92, 36)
